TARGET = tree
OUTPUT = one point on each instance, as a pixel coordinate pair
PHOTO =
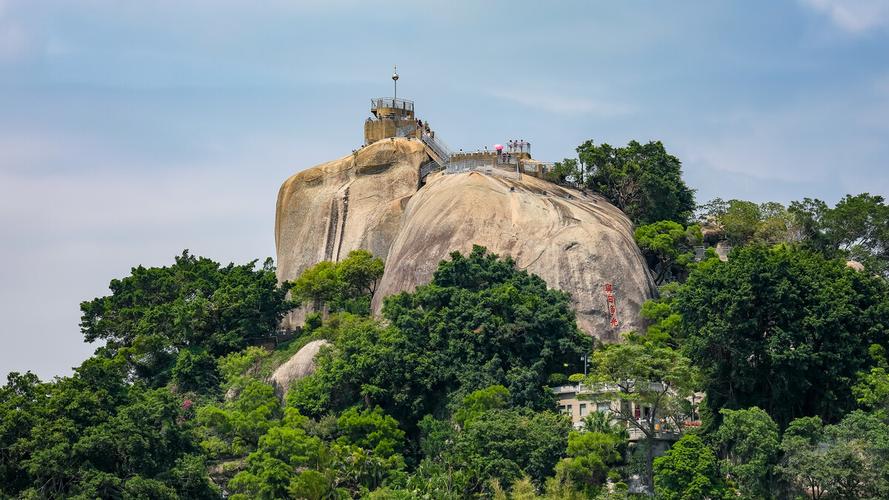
(872, 389)
(347, 285)
(846, 460)
(668, 248)
(591, 455)
(195, 371)
(318, 285)
(749, 445)
(740, 221)
(643, 180)
(507, 445)
(688, 471)
(284, 453)
(640, 373)
(566, 171)
(781, 328)
(95, 434)
(477, 402)
(856, 228)
(360, 272)
(194, 304)
(480, 322)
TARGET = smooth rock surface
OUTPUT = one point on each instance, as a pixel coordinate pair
(576, 242)
(355, 202)
(373, 200)
(301, 364)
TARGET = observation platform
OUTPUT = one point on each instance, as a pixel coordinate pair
(392, 117)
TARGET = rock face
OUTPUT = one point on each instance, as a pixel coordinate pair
(577, 242)
(301, 364)
(355, 202)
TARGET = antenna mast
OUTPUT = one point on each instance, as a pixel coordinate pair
(395, 81)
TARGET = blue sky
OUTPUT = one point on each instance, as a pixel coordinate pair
(132, 130)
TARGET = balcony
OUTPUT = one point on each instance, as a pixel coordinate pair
(391, 103)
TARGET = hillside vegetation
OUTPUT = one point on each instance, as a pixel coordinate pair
(448, 393)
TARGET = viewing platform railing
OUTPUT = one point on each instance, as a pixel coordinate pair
(438, 147)
(485, 166)
(391, 103)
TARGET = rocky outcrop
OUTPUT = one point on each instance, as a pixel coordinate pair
(576, 242)
(300, 365)
(355, 202)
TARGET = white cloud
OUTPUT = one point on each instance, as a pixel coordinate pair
(561, 104)
(855, 16)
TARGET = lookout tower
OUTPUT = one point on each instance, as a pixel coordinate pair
(392, 117)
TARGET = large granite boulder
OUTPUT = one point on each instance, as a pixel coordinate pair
(300, 365)
(374, 200)
(576, 242)
(355, 202)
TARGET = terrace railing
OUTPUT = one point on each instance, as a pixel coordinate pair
(391, 103)
(438, 147)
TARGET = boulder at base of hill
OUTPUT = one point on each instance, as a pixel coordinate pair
(854, 264)
(355, 202)
(576, 242)
(300, 365)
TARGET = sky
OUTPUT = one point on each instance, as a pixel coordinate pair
(131, 130)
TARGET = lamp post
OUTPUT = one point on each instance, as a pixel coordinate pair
(395, 80)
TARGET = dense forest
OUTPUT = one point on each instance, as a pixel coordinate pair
(778, 314)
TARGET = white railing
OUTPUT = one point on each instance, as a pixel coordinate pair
(438, 147)
(392, 103)
(483, 165)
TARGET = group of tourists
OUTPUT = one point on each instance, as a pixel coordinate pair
(424, 127)
(518, 146)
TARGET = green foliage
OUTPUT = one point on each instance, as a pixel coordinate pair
(372, 430)
(480, 322)
(662, 315)
(744, 222)
(872, 389)
(233, 428)
(566, 171)
(239, 368)
(668, 248)
(739, 220)
(359, 273)
(688, 471)
(195, 371)
(846, 460)
(591, 456)
(643, 180)
(276, 465)
(96, 435)
(749, 445)
(476, 403)
(506, 445)
(347, 285)
(856, 228)
(298, 457)
(782, 329)
(649, 375)
(194, 304)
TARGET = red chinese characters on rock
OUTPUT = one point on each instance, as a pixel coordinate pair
(612, 307)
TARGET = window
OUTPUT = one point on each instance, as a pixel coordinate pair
(582, 410)
(603, 407)
(569, 410)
